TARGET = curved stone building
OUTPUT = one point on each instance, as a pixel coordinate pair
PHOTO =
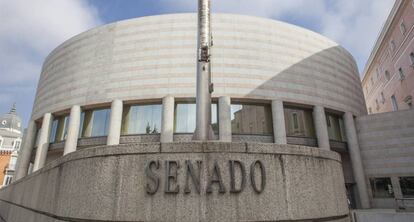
(118, 102)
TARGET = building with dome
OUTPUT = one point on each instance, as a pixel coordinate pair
(10, 142)
(110, 136)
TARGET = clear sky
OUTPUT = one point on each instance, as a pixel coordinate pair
(30, 29)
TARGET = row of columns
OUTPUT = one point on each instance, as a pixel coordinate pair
(167, 132)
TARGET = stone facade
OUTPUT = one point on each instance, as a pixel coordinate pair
(300, 183)
(152, 57)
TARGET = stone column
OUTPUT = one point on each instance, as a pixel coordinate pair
(167, 124)
(321, 128)
(73, 130)
(23, 160)
(355, 156)
(224, 118)
(43, 146)
(115, 122)
(278, 116)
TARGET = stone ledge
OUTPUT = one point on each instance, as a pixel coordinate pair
(189, 147)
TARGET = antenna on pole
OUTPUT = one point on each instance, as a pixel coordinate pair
(203, 130)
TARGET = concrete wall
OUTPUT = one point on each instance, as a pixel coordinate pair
(108, 184)
(387, 148)
(151, 57)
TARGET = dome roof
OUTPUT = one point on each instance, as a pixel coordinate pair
(10, 121)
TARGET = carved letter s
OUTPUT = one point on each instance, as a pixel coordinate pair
(151, 176)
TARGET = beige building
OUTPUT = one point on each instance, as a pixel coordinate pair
(388, 80)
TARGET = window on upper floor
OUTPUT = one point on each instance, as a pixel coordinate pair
(185, 117)
(59, 128)
(251, 119)
(95, 123)
(378, 73)
(7, 180)
(372, 81)
(387, 75)
(335, 126)
(409, 101)
(412, 58)
(382, 98)
(17, 144)
(403, 29)
(12, 162)
(369, 110)
(1, 142)
(394, 103)
(401, 74)
(381, 187)
(407, 186)
(392, 45)
(141, 119)
(299, 122)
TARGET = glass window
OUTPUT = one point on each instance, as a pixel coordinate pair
(141, 119)
(95, 122)
(403, 29)
(335, 127)
(299, 122)
(251, 119)
(7, 180)
(381, 188)
(59, 129)
(402, 76)
(394, 103)
(185, 117)
(17, 144)
(407, 186)
(412, 58)
(392, 43)
(387, 75)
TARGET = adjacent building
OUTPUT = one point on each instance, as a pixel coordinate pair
(10, 142)
(388, 78)
(387, 135)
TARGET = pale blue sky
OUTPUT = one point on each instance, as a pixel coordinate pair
(29, 30)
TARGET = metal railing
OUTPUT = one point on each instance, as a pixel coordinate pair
(404, 204)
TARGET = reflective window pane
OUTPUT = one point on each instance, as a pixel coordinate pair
(407, 186)
(251, 119)
(100, 122)
(95, 122)
(185, 117)
(335, 127)
(381, 188)
(59, 129)
(141, 119)
(299, 122)
(53, 131)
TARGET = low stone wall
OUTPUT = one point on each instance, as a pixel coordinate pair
(182, 182)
